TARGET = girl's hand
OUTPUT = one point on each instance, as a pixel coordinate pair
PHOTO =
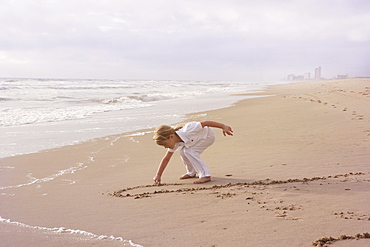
(227, 130)
(157, 179)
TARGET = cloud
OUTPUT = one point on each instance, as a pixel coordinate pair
(162, 39)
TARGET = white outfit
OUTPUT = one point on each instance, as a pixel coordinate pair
(195, 140)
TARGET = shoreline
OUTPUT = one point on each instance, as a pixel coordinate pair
(297, 165)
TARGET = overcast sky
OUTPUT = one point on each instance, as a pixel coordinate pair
(183, 39)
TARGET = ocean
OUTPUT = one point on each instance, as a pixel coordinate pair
(39, 114)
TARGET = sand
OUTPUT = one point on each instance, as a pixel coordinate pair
(296, 173)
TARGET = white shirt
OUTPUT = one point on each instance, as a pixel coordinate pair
(190, 134)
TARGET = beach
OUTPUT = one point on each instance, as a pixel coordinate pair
(295, 173)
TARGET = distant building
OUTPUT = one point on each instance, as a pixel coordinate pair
(290, 77)
(305, 76)
(318, 73)
(293, 77)
(299, 78)
(342, 76)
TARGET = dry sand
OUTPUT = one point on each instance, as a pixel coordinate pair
(296, 172)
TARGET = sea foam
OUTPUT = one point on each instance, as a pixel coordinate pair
(63, 230)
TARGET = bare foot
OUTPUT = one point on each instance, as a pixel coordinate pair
(202, 180)
(186, 176)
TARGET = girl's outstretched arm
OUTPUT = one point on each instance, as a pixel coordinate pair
(226, 130)
(162, 166)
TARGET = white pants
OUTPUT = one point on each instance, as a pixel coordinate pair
(191, 156)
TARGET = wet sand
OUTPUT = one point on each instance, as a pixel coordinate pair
(295, 173)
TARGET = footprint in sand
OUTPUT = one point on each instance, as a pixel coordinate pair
(350, 215)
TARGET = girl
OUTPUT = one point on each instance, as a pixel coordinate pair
(194, 138)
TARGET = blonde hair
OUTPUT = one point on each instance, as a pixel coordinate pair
(163, 133)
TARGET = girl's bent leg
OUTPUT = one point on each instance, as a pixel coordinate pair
(193, 162)
(190, 170)
(197, 164)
